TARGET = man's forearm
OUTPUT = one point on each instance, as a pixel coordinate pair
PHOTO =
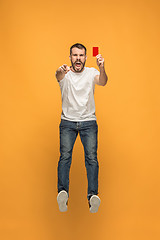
(59, 75)
(103, 78)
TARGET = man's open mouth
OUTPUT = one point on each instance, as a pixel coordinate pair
(78, 64)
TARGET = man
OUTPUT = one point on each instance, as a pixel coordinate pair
(77, 84)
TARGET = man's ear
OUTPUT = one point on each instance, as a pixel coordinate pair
(70, 58)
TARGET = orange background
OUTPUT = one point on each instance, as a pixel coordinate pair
(35, 39)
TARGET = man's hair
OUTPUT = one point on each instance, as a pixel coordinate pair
(78, 45)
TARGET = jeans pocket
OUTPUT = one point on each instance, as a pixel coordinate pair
(63, 123)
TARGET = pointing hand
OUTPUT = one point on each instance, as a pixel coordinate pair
(64, 68)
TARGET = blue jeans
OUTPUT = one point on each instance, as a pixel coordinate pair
(88, 131)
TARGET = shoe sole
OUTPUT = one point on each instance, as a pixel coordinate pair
(62, 199)
(94, 202)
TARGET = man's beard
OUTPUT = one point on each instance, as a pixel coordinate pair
(78, 70)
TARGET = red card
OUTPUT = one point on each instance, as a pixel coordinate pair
(95, 51)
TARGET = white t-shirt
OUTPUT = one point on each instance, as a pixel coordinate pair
(77, 92)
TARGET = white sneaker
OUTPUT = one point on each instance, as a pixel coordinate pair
(62, 200)
(94, 203)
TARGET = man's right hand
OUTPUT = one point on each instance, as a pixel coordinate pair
(61, 71)
(64, 68)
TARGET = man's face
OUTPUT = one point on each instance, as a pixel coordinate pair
(78, 59)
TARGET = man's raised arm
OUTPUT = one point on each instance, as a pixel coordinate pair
(102, 78)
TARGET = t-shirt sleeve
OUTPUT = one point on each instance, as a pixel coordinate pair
(95, 72)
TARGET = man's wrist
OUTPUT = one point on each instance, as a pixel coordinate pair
(102, 69)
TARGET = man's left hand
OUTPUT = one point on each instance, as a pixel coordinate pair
(100, 61)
